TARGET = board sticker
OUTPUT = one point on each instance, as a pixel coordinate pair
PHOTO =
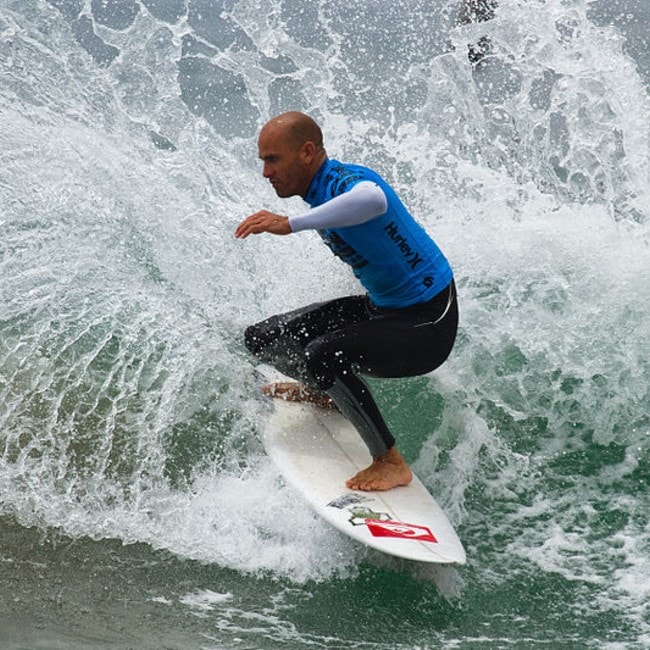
(348, 499)
(400, 529)
(361, 516)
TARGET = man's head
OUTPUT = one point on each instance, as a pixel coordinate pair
(291, 147)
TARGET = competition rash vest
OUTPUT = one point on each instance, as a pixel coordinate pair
(391, 255)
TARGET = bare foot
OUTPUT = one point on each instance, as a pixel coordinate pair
(386, 472)
(292, 391)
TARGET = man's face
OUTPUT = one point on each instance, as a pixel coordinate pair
(285, 165)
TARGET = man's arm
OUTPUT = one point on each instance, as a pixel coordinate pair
(365, 201)
(263, 221)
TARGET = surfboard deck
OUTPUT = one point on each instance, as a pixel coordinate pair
(316, 451)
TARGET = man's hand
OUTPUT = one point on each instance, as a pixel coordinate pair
(263, 221)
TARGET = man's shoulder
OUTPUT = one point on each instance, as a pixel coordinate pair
(341, 177)
(336, 177)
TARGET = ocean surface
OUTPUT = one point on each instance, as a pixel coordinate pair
(137, 507)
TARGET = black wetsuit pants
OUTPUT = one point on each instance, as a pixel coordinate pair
(328, 345)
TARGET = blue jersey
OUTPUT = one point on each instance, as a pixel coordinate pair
(392, 255)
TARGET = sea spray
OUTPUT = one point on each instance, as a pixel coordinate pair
(129, 407)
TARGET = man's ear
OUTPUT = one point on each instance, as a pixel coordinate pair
(308, 151)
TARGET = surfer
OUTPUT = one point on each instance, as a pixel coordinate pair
(404, 326)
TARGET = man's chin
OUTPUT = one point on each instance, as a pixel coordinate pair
(283, 194)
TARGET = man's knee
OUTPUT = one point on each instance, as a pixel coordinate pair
(256, 338)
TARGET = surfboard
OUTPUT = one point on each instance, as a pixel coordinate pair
(316, 450)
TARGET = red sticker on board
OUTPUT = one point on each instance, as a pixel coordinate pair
(400, 529)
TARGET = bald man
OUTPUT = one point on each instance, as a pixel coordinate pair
(404, 325)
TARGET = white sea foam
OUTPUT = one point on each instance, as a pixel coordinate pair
(128, 404)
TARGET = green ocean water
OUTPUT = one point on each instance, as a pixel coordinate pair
(137, 506)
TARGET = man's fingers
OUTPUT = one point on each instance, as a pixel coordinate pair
(249, 226)
(262, 221)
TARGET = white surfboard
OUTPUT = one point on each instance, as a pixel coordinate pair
(317, 450)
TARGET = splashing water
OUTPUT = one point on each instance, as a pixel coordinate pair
(128, 405)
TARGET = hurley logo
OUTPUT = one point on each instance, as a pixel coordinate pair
(412, 257)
